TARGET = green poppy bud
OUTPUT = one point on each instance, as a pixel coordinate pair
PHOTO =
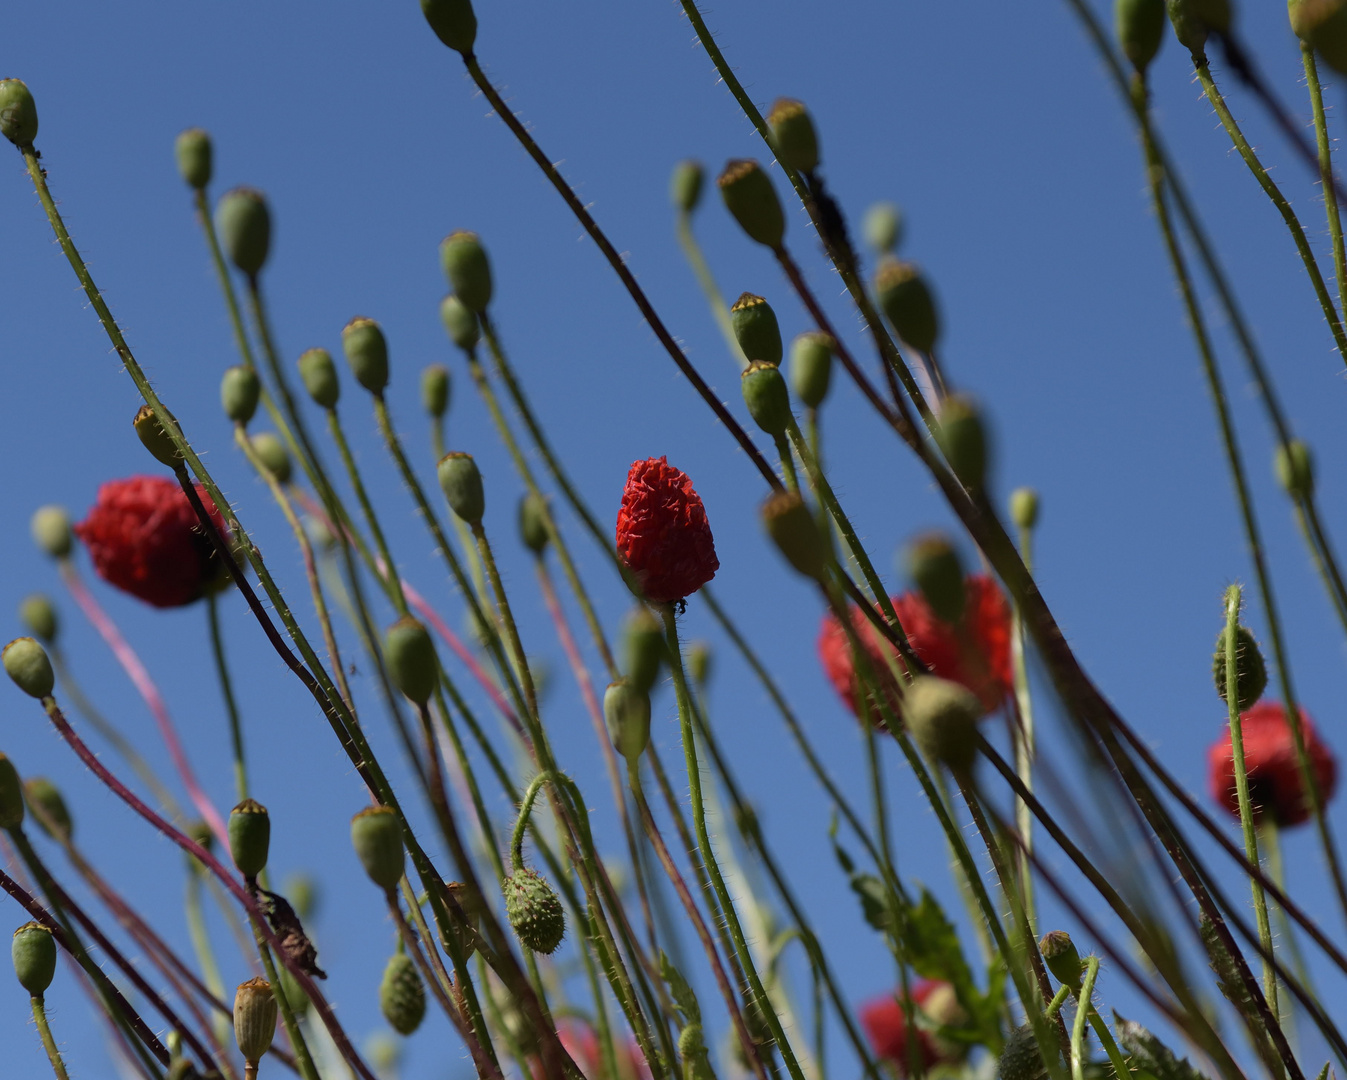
(936, 570)
(1323, 25)
(34, 952)
(18, 112)
(766, 396)
(199, 832)
(273, 455)
(534, 911)
(461, 323)
(533, 523)
(1141, 28)
(1295, 469)
(193, 151)
(44, 799)
(154, 438)
(402, 994)
(240, 390)
(249, 837)
(302, 892)
(793, 136)
(1024, 507)
(626, 711)
(294, 993)
(1021, 1058)
(411, 659)
(320, 377)
(685, 186)
(699, 662)
(1193, 20)
(1250, 670)
(11, 795)
(751, 200)
(643, 648)
(942, 717)
(756, 329)
(26, 662)
(38, 614)
(963, 440)
(1061, 958)
(454, 23)
(244, 224)
(367, 352)
(51, 531)
(796, 534)
(435, 389)
(462, 486)
(467, 268)
(883, 226)
(376, 835)
(811, 367)
(254, 1019)
(907, 303)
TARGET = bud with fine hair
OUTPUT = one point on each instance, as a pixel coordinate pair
(11, 795)
(461, 323)
(18, 112)
(699, 662)
(1250, 670)
(685, 185)
(465, 264)
(50, 528)
(1061, 958)
(48, 805)
(244, 224)
(192, 148)
(454, 23)
(942, 717)
(1295, 469)
(751, 200)
(1024, 507)
(811, 366)
(533, 522)
(643, 648)
(796, 534)
(155, 439)
(626, 711)
(273, 455)
(34, 953)
(249, 837)
(240, 390)
(366, 349)
(410, 654)
(962, 438)
(462, 485)
(793, 136)
(254, 1019)
(38, 615)
(756, 329)
(767, 397)
(534, 910)
(26, 662)
(1140, 26)
(936, 570)
(402, 994)
(319, 374)
(376, 835)
(435, 389)
(908, 304)
(883, 226)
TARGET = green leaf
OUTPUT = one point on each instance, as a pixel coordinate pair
(1150, 1054)
(682, 993)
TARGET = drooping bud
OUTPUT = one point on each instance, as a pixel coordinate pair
(1295, 469)
(362, 340)
(1140, 25)
(402, 994)
(249, 837)
(1021, 1058)
(244, 224)
(626, 711)
(454, 23)
(26, 662)
(699, 662)
(811, 367)
(320, 377)
(751, 200)
(1024, 507)
(793, 136)
(254, 1019)
(38, 614)
(936, 570)
(793, 529)
(411, 659)
(461, 323)
(462, 485)
(907, 303)
(1250, 670)
(34, 952)
(18, 112)
(240, 390)
(942, 717)
(435, 389)
(193, 151)
(1323, 25)
(533, 522)
(11, 795)
(271, 452)
(756, 328)
(643, 648)
(376, 835)
(766, 396)
(48, 806)
(883, 226)
(534, 911)
(155, 439)
(467, 268)
(1061, 958)
(685, 186)
(963, 440)
(51, 531)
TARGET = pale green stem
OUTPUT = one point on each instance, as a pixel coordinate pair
(1024, 739)
(1085, 1007)
(227, 689)
(1058, 1000)
(48, 1043)
(507, 621)
(693, 253)
(787, 462)
(1082, 1013)
(1324, 147)
(522, 821)
(205, 954)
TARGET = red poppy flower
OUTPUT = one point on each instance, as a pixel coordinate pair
(886, 1026)
(1275, 786)
(582, 1044)
(143, 537)
(976, 653)
(662, 532)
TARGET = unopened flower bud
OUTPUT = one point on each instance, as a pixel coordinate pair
(34, 952)
(685, 186)
(244, 224)
(435, 389)
(271, 452)
(411, 659)
(1024, 507)
(626, 711)
(1061, 958)
(533, 522)
(294, 993)
(38, 614)
(699, 662)
(793, 136)
(454, 23)
(937, 571)
(793, 529)
(534, 911)
(18, 112)
(643, 648)
(462, 485)
(402, 994)
(362, 340)
(44, 799)
(11, 795)
(302, 892)
(942, 717)
(461, 323)
(1021, 1058)
(1295, 469)
(963, 440)
(766, 396)
(376, 835)
(320, 377)
(193, 151)
(907, 303)
(155, 439)
(1140, 26)
(1250, 670)
(811, 367)
(240, 390)
(756, 328)
(254, 1019)
(751, 200)
(249, 837)
(467, 268)
(51, 531)
(883, 226)
(1323, 25)
(1193, 20)
(26, 662)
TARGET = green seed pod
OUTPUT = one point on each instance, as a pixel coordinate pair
(963, 440)
(249, 837)
(454, 23)
(1323, 25)
(766, 396)
(462, 486)
(533, 522)
(1295, 469)
(319, 373)
(811, 367)
(18, 112)
(907, 303)
(26, 662)
(942, 717)
(1193, 20)
(935, 568)
(46, 803)
(302, 892)
(461, 323)
(51, 531)
(38, 614)
(244, 224)
(254, 1019)
(273, 455)
(796, 534)
(11, 795)
(34, 952)
(376, 835)
(467, 268)
(1250, 671)
(643, 648)
(1021, 1058)
(883, 226)
(435, 390)
(402, 994)
(685, 186)
(384, 1052)
(1024, 507)
(1062, 959)
(793, 136)
(294, 993)
(193, 151)
(240, 390)
(367, 352)
(699, 662)
(756, 328)
(411, 659)
(534, 911)
(626, 711)
(1140, 27)
(155, 439)
(751, 200)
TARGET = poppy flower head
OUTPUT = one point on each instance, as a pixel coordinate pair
(578, 1040)
(1275, 786)
(886, 1025)
(143, 537)
(662, 532)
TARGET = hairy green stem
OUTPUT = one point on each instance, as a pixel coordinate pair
(48, 1043)
(1324, 149)
(692, 251)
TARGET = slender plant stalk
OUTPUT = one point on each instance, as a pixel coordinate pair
(227, 690)
(1082, 1013)
(48, 1043)
(1324, 150)
(1023, 729)
(692, 251)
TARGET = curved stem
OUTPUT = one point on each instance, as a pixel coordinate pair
(1082, 1013)
(48, 1043)
(522, 821)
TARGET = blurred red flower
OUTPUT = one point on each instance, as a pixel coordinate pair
(582, 1044)
(662, 532)
(886, 1026)
(1275, 786)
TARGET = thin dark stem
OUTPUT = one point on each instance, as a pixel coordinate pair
(227, 689)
